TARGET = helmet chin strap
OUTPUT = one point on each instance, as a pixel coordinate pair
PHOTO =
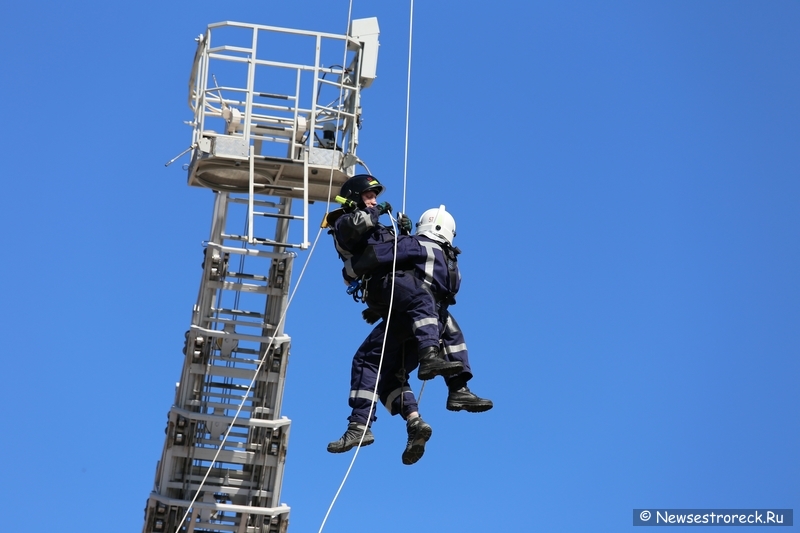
(433, 236)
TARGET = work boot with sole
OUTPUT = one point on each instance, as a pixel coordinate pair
(464, 399)
(418, 434)
(432, 364)
(351, 438)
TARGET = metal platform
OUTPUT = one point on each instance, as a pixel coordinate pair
(275, 112)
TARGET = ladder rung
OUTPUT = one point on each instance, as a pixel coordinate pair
(240, 358)
(248, 351)
(220, 320)
(233, 486)
(278, 215)
(215, 400)
(259, 240)
(219, 407)
(236, 478)
(260, 203)
(244, 374)
(242, 238)
(244, 275)
(275, 341)
(250, 251)
(239, 287)
(237, 312)
(221, 385)
(275, 243)
(278, 96)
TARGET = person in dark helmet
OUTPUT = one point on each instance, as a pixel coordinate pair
(439, 277)
(358, 234)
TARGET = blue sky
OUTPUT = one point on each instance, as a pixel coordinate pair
(625, 178)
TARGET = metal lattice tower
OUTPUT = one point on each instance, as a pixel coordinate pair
(273, 126)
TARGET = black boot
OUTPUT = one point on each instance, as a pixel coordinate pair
(351, 438)
(418, 434)
(464, 399)
(432, 364)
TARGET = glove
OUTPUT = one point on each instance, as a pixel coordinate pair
(404, 223)
(384, 207)
(370, 316)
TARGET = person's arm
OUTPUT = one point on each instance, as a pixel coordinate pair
(351, 228)
(381, 254)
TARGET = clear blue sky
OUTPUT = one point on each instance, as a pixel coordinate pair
(626, 181)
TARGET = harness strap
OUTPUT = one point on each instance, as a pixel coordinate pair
(451, 257)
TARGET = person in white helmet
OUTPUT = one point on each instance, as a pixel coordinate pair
(440, 275)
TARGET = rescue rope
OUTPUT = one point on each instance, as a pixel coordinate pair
(408, 102)
(374, 392)
(405, 151)
(391, 293)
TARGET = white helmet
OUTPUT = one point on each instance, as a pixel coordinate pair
(437, 224)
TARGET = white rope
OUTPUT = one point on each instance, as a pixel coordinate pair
(408, 103)
(391, 294)
(380, 362)
(374, 392)
(405, 153)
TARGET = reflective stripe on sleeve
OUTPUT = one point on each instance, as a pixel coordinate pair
(425, 322)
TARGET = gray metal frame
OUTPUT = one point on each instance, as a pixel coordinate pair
(226, 441)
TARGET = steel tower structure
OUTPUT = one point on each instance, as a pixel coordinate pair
(276, 120)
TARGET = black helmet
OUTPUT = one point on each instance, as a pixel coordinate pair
(357, 185)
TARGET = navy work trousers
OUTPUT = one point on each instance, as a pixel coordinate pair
(400, 359)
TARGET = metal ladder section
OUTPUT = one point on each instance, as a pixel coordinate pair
(236, 337)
